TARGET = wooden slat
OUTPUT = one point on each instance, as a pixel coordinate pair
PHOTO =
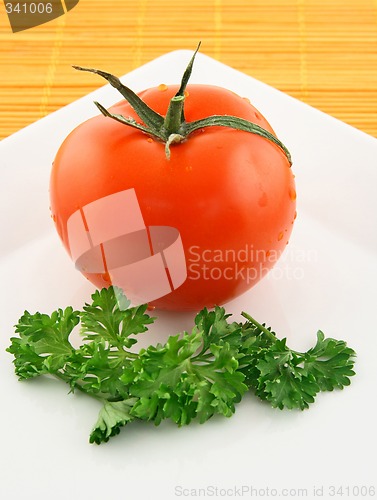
(323, 52)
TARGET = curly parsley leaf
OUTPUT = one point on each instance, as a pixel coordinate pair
(213, 326)
(110, 318)
(182, 386)
(331, 362)
(282, 380)
(191, 376)
(111, 418)
(290, 379)
(43, 345)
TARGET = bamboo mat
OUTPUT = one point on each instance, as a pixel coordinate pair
(323, 52)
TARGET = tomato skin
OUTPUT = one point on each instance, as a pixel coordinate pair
(231, 194)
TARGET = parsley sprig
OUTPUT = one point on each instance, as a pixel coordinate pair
(193, 375)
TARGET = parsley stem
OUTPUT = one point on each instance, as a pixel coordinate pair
(125, 354)
(265, 330)
(66, 379)
(201, 355)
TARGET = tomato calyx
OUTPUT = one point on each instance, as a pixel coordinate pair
(173, 128)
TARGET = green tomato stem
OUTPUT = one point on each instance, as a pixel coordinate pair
(238, 124)
(147, 114)
(174, 128)
(187, 73)
(173, 119)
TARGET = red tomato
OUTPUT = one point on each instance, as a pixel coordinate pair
(229, 193)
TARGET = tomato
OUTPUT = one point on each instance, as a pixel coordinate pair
(229, 193)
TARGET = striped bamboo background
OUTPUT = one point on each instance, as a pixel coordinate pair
(323, 52)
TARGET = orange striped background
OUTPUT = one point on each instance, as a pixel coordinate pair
(323, 52)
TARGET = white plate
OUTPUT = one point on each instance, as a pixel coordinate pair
(326, 279)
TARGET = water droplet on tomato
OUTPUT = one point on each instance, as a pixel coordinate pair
(162, 87)
(295, 215)
(247, 100)
(186, 93)
(106, 278)
(151, 308)
(280, 236)
(292, 194)
(150, 139)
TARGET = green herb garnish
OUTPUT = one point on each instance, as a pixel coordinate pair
(195, 374)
